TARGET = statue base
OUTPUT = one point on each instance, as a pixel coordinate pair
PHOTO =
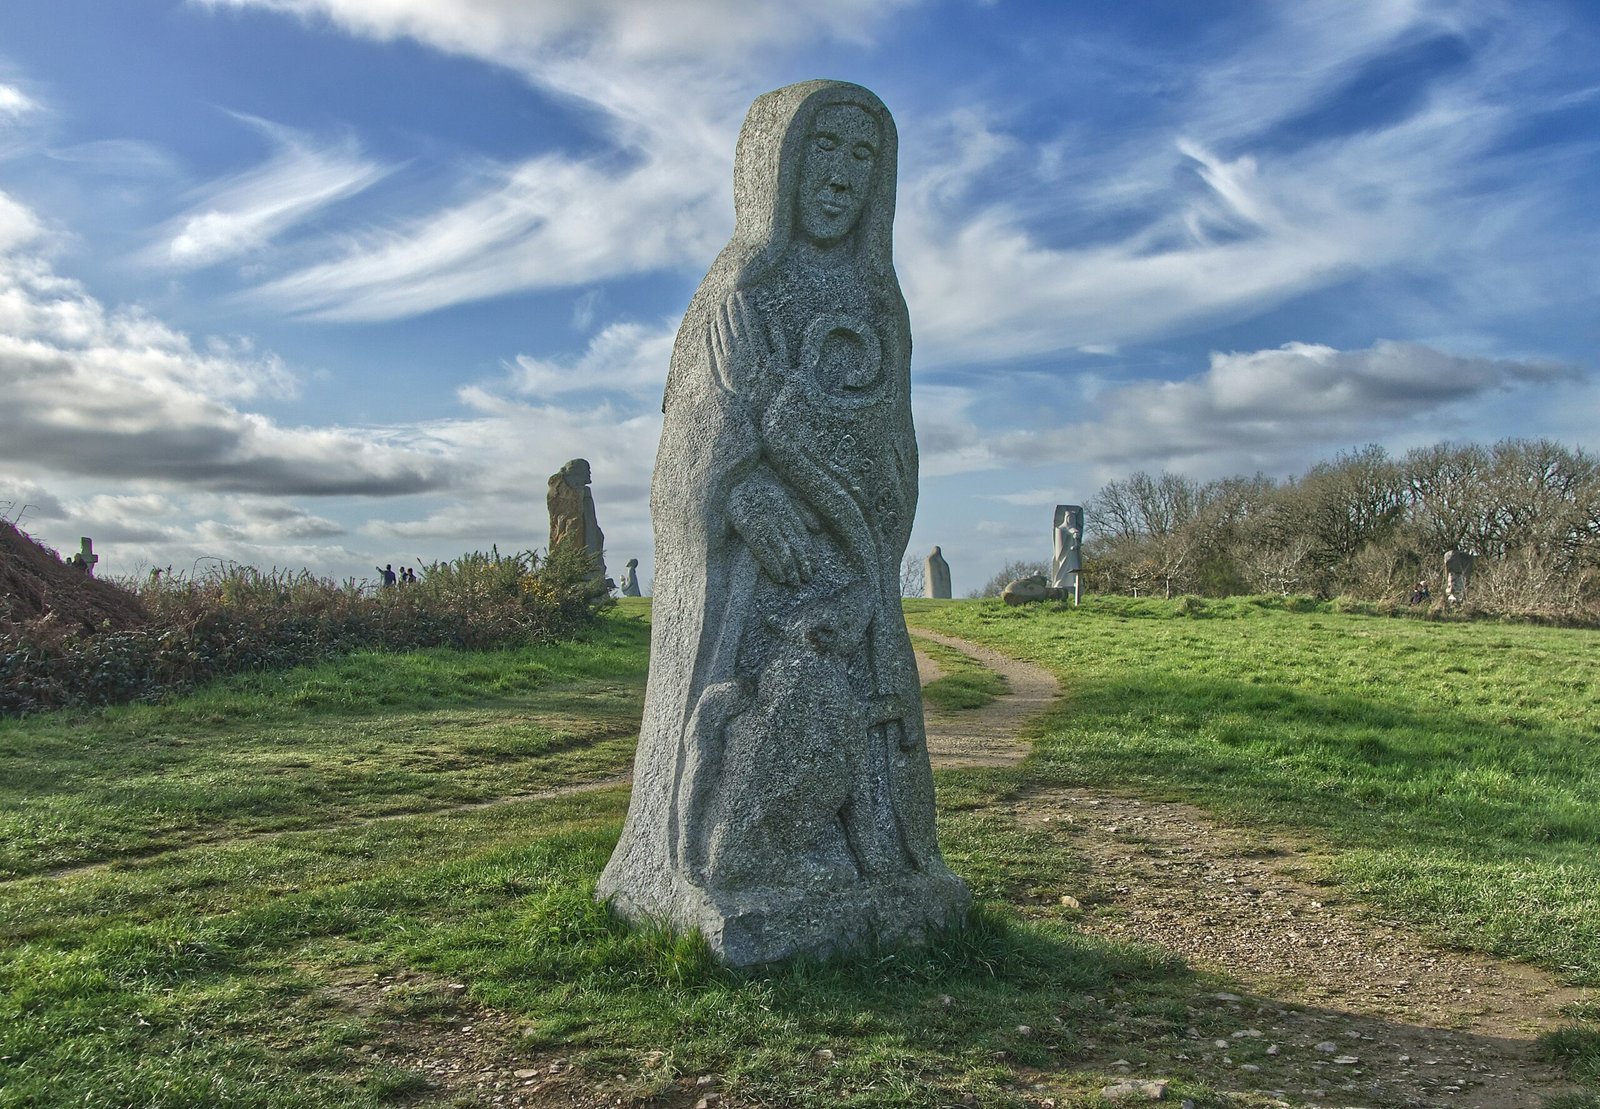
(767, 924)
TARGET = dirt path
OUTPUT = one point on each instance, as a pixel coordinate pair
(1337, 1008)
(990, 736)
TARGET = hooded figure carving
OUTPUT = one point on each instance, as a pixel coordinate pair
(783, 801)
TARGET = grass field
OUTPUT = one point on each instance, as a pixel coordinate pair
(203, 897)
(1454, 767)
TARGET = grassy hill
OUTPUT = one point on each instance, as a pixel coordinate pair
(360, 883)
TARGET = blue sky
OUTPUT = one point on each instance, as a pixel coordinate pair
(330, 283)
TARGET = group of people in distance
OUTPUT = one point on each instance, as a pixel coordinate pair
(405, 576)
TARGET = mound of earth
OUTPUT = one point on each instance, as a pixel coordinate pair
(36, 585)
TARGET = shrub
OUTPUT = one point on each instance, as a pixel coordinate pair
(240, 619)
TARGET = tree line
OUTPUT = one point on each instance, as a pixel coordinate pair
(1364, 525)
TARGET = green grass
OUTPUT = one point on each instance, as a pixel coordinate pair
(243, 886)
(1454, 768)
(369, 735)
(227, 949)
(965, 685)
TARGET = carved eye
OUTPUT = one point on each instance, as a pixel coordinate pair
(827, 142)
(863, 152)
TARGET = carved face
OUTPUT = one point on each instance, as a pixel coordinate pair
(836, 177)
(577, 472)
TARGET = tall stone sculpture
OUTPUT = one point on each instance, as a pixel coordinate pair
(630, 579)
(1067, 559)
(936, 576)
(1457, 573)
(572, 518)
(783, 801)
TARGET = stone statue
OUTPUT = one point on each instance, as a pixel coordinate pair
(630, 579)
(783, 800)
(1457, 572)
(936, 577)
(572, 518)
(1068, 554)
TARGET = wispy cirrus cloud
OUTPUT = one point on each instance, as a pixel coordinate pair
(246, 211)
(546, 223)
(667, 82)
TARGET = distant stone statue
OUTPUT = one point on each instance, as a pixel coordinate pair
(783, 800)
(1457, 573)
(630, 579)
(572, 518)
(1067, 557)
(936, 577)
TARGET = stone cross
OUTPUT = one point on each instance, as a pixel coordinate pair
(936, 576)
(86, 556)
(783, 799)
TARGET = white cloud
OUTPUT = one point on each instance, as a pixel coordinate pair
(1030, 498)
(123, 397)
(548, 222)
(1262, 409)
(14, 102)
(1211, 215)
(520, 34)
(949, 440)
(244, 212)
(18, 226)
(626, 357)
(670, 81)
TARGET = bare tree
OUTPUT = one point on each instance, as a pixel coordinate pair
(913, 572)
(1009, 573)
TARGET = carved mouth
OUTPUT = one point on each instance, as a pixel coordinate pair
(834, 208)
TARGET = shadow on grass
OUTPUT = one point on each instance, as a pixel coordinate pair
(1356, 767)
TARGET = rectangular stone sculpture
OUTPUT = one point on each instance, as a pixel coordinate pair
(1067, 558)
(783, 799)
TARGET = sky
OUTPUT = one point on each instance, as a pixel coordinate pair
(340, 283)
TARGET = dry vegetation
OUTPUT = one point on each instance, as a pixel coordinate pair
(69, 639)
(1364, 526)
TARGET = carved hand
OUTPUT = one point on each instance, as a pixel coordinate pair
(741, 350)
(767, 520)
